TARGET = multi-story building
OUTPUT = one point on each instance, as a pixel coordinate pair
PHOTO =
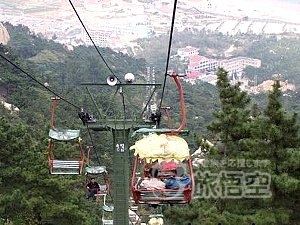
(202, 64)
(127, 30)
(187, 52)
(99, 37)
(237, 65)
(201, 67)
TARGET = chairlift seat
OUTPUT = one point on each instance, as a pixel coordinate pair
(107, 222)
(65, 167)
(164, 196)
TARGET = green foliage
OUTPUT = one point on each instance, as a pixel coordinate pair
(279, 56)
(240, 129)
(246, 132)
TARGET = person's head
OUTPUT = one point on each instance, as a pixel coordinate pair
(153, 172)
(93, 180)
(179, 171)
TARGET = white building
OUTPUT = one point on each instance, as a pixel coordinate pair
(237, 65)
(99, 37)
(187, 52)
(201, 63)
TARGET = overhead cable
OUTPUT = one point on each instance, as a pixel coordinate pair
(169, 52)
(92, 141)
(93, 41)
(35, 80)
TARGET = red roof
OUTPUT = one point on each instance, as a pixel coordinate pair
(197, 58)
(194, 75)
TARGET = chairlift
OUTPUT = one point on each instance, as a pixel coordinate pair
(146, 158)
(99, 173)
(107, 216)
(60, 142)
(162, 145)
(101, 176)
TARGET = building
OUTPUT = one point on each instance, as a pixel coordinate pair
(202, 64)
(99, 37)
(235, 66)
(187, 52)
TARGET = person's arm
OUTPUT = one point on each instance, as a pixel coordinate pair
(144, 183)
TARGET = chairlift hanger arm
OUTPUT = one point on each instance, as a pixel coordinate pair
(152, 93)
(175, 77)
(53, 107)
(181, 100)
(95, 104)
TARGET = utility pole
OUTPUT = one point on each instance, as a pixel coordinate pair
(120, 129)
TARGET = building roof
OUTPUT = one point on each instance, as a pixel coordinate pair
(194, 75)
(197, 59)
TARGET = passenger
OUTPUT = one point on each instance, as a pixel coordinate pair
(93, 188)
(180, 180)
(169, 166)
(156, 221)
(153, 165)
(153, 182)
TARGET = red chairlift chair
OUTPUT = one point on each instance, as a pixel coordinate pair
(182, 195)
(69, 138)
(160, 196)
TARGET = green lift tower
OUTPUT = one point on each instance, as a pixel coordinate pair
(120, 129)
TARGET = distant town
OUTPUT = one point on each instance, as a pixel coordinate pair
(203, 68)
(117, 24)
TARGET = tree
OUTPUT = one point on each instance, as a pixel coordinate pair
(29, 195)
(280, 137)
(232, 121)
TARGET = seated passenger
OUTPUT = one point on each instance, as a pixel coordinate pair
(153, 165)
(153, 182)
(179, 180)
(93, 188)
(169, 166)
(156, 221)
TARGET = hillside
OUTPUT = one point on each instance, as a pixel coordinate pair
(32, 70)
(4, 36)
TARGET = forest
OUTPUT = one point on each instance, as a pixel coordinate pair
(255, 139)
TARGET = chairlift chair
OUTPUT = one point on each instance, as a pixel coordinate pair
(162, 145)
(107, 216)
(101, 175)
(68, 138)
(182, 195)
(65, 166)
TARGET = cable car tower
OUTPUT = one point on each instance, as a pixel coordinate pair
(120, 127)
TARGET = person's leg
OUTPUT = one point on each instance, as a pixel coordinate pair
(90, 194)
(94, 191)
